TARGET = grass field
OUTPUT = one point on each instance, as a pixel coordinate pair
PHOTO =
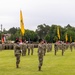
(52, 65)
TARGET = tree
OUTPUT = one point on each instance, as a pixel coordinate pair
(42, 30)
(12, 30)
(31, 35)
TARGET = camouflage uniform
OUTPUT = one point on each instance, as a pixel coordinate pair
(28, 46)
(10, 46)
(17, 51)
(0, 46)
(71, 47)
(59, 47)
(3, 46)
(44, 46)
(31, 47)
(49, 47)
(7, 46)
(24, 49)
(55, 48)
(40, 55)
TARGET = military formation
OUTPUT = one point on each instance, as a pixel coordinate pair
(28, 49)
(23, 49)
(60, 45)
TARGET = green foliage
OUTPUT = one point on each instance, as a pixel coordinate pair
(31, 35)
(49, 33)
(47, 38)
(42, 30)
(52, 65)
(12, 30)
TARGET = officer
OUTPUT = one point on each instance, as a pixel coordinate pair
(40, 53)
(17, 51)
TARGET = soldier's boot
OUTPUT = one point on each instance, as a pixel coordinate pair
(17, 66)
(39, 69)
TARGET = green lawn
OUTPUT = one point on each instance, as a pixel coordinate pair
(52, 65)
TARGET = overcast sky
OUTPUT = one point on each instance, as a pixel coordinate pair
(36, 12)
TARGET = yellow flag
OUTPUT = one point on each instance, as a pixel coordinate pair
(70, 39)
(58, 32)
(66, 37)
(21, 24)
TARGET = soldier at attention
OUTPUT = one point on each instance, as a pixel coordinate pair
(32, 48)
(40, 54)
(17, 51)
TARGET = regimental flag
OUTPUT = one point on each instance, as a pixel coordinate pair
(58, 32)
(22, 24)
(70, 39)
(66, 37)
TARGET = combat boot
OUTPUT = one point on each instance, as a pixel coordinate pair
(39, 69)
(17, 66)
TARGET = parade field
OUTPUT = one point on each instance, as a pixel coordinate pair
(52, 65)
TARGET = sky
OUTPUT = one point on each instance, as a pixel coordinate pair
(36, 12)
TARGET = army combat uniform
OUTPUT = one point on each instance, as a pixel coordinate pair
(0, 47)
(44, 46)
(49, 47)
(17, 51)
(24, 49)
(28, 46)
(31, 47)
(40, 55)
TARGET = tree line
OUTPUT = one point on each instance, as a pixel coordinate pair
(46, 32)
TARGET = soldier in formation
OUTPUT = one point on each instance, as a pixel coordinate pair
(44, 46)
(30, 47)
(24, 49)
(49, 47)
(17, 52)
(40, 54)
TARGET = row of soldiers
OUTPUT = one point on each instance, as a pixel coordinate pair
(63, 46)
(42, 48)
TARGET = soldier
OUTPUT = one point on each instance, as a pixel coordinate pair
(71, 47)
(24, 49)
(40, 53)
(28, 46)
(44, 46)
(32, 47)
(49, 47)
(55, 48)
(17, 51)
(0, 47)
(3, 46)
